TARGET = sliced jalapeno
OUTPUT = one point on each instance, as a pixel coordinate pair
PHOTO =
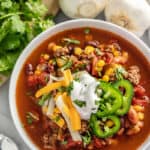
(127, 95)
(110, 101)
(99, 127)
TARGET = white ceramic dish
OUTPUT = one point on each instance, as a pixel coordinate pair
(52, 31)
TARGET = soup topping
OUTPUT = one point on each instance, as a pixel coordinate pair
(87, 93)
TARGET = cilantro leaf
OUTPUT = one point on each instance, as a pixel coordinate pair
(80, 103)
(43, 99)
(20, 21)
(86, 138)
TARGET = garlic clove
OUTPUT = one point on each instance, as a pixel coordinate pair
(132, 15)
(82, 8)
(52, 6)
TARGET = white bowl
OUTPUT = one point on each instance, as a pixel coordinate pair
(50, 32)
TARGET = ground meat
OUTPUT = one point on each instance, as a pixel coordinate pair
(134, 74)
(84, 126)
(49, 141)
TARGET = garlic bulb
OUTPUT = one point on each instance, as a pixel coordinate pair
(52, 6)
(133, 15)
(82, 8)
(149, 34)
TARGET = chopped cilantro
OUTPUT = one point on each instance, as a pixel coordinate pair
(71, 41)
(64, 142)
(57, 118)
(87, 31)
(119, 72)
(86, 138)
(69, 88)
(29, 118)
(67, 65)
(79, 103)
(44, 98)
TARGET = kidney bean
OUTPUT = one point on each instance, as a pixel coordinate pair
(73, 145)
(99, 143)
(29, 69)
(140, 101)
(133, 116)
(32, 81)
(139, 91)
(70, 48)
(134, 130)
(93, 43)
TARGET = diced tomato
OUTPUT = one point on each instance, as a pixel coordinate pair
(73, 144)
(94, 71)
(141, 102)
(108, 57)
(32, 81)
(98, 143)
(43, 78)
(42, 60)
(139, 91)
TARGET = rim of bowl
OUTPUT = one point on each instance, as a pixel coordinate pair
(76, 23)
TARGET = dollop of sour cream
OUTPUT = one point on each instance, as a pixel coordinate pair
(84, 91)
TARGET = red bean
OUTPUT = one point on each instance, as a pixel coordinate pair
(99, 143)
(93, 43)
(29, 69)
(139, 91)
(32, 80)
(132, 116)
(140, 101)
(73, 144)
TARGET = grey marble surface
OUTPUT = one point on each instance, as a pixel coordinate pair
(6, 123)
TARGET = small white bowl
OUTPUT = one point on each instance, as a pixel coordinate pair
(50, 32)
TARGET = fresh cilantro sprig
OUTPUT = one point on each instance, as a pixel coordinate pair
(20, 21)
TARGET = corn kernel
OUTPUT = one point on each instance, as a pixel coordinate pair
(109, 123)
(141, 116)
(37, 72)
(125, 54)
(77, 51)
(105, 78)
(116, 53)
(46, 56)
(109, 71)
(57, 119)
(50, 61)
(56, 47)
(98, 68)
(89, 49)
(60, 62)
(138, 108)
(113, 49)
(51, 45)
(100, 63)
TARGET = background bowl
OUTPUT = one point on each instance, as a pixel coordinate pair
(50, 32)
